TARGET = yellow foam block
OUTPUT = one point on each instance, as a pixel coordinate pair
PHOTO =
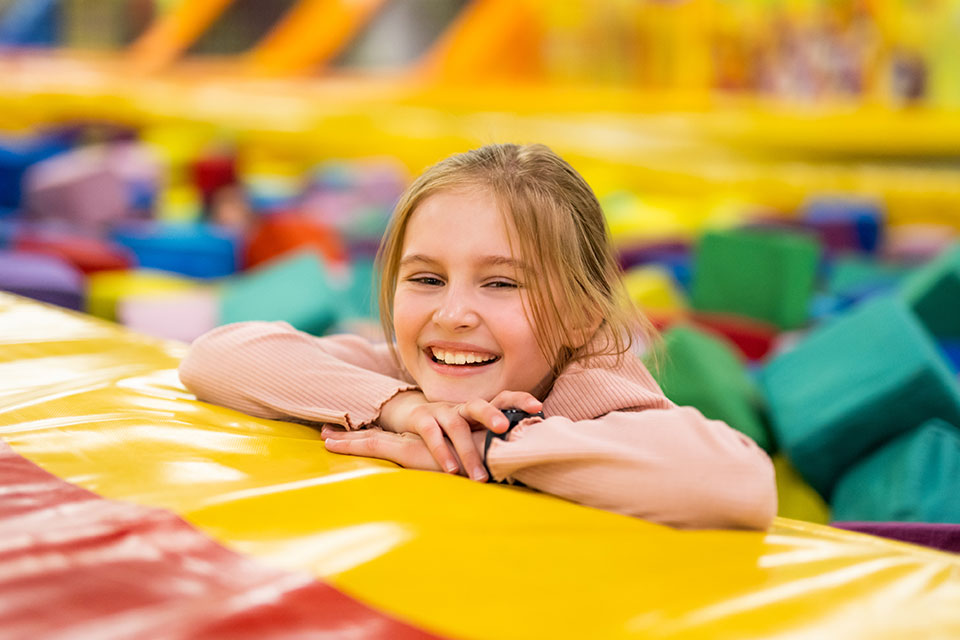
(102, 407)
(797, 499)
(653, 289)
(107, 288)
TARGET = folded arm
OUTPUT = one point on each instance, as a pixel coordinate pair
(671, 466)
(271, 370)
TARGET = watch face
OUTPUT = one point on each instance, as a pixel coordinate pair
(516, 415)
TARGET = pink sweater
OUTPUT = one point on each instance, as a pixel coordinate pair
(610, 438)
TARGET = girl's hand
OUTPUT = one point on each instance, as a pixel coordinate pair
(435, 422)
(406, 449)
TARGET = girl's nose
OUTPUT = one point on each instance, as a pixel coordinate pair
(455, 313)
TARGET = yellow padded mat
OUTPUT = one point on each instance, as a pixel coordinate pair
(102, 407)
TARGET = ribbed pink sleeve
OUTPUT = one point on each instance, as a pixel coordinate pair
(671, 466)
(271, 370)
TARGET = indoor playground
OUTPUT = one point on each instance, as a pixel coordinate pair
(781, 181)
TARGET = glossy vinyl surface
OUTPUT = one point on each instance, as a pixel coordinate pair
(102, 407)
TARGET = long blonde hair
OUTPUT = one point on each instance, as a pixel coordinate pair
(560, 230)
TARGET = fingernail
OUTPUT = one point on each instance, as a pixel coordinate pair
(479, 475)
(451, 467)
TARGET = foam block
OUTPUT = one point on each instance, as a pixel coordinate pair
(795, 498)
(281, 233)
(854, 276)
(653, 289)
(297, 289)
(106, 289)
(674, 256)
(854, 384)
(917, 243)
(16, 156)
(197, 250)
(950, 350)
(703, 371)
(913, 478)
(41, 277)
(763, 274)
(78, 188)
(359, 292)
(88, 254)
(933, 292)
(30, 23)
(845, 224)
(181, 316)
(753, 338)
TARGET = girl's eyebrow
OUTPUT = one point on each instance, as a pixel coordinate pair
(494, 261)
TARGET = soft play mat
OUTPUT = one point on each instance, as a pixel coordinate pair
(129, 509)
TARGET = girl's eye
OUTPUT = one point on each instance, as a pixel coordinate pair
(502, 284)
(427, 280)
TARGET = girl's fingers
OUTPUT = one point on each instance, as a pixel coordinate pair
(458, 431)
(432, 436)
(517, 400)
(406, 449)
(361, 443)
(485, 413)
(343, 434)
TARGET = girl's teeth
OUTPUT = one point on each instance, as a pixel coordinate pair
(449, 357)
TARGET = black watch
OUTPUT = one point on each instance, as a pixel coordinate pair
(515, 416)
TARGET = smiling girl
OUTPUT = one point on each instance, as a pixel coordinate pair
(500, 290)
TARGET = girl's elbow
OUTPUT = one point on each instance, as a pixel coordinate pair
(743, 495)
(753, 499)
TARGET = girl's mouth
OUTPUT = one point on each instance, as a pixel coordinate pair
(460, 358)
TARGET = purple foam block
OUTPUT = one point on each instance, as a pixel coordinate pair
(42, 277)
(945, 537)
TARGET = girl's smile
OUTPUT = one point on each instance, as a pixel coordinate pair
(459, 309)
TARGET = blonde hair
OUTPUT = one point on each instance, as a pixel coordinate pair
(576, 285)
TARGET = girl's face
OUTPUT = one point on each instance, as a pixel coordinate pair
(458, 311)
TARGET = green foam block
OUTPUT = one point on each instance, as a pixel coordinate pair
(933, 292)
(759, 273)
(854, 384)
(703, 371)
(914, 478)
(297, 289)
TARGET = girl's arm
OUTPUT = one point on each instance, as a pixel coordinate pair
(671, 466)
(271, 370)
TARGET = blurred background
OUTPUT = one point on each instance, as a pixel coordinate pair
(769, 168)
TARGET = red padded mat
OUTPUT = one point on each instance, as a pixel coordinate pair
(73, 564)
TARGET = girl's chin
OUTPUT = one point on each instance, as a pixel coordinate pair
(445, 393)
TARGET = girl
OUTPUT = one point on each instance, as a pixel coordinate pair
(500, 290)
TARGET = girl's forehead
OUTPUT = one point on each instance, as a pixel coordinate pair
(467, 216)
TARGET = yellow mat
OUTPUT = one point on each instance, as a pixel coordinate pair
(102, 407)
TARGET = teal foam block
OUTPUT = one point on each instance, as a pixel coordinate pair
(854, 276)
(764, 274)
(852, 385)
(913, 478)
(359, 290)
(703, 371)
(297, 289)
(934, 294)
